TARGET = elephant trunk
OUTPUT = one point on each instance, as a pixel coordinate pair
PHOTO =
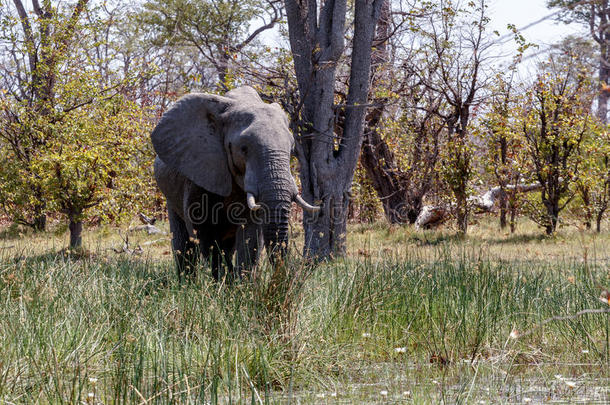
(275, 234)
(276, 193)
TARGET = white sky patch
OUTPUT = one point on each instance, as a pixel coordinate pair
(522, 13)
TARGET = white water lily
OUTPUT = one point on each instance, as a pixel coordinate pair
(570, 384)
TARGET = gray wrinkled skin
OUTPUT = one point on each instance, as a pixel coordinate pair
(211, 151)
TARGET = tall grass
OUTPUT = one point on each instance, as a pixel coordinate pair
(114, 330)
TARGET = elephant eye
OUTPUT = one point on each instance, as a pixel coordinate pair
(244, 149)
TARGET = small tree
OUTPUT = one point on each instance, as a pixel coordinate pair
(504, 157)
(93, 161)
(593, 185)
(554, 124)
(35, 44)
(71, 141)
(455, 50)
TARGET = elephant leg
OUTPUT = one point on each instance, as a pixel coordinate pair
(249, 244)
(185, 251)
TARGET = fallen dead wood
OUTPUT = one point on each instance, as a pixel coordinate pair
(146, 220)
(152, 242)
(150, 229)
(125, 248)
(434, 215)
(487, 201)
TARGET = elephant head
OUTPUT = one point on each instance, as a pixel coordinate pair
(234, 141)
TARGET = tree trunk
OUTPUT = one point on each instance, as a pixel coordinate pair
(76, 231)
(552, 209)
(378, 162)
(40, 223)
(598, 221)
(377, 158)
(503, 159)
(586, 200)
(462, 213)
(327, 163)
(604, 76)
(513, 218)
(222, 69)
(503, 209)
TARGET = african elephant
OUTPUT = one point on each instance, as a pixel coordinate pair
(223, 164)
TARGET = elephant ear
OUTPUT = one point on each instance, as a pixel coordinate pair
(188, 140)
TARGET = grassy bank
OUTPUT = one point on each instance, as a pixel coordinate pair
(418, 317)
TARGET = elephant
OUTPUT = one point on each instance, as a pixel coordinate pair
(223, 165)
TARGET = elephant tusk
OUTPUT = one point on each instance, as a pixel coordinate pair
(306, 206)
(252, 202)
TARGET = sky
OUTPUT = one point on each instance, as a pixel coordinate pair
(524, 12)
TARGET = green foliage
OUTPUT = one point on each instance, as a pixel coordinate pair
(214, 33)
(177, 22)
(593, 184)
(73, 140)
(504, 160)
(96, 156)
(555, 122)
(364, 202)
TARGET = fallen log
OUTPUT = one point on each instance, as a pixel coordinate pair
(487, 201)
(150, 229)
(434, 215)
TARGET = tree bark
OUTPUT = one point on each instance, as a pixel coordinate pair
(462, 213)
(586, 200)
(513, 218)
(377, 158)
(503, 209)
(552, 212)
(76, 230)
(327, 163)
(40, 222)
(598, 221)
(603, 39)
(503, 160)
